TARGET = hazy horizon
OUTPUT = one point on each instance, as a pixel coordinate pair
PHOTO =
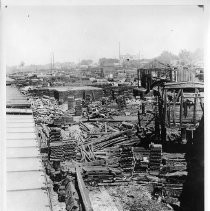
(75, 33)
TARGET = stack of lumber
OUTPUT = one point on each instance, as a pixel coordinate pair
(155, 158)
(126, 159)
(56, 151)
(78, 107)
(55, 135)
(69, 149)
(176, 165)
(55, 144)
(70, 102)
(97, 174)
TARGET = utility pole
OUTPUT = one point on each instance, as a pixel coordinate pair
(53, 60)
(51, 63)
(119, 50)
(138, 71)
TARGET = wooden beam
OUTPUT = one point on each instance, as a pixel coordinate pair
(83, 191)
(181, 108)
(195, 106)
(169, 115)
(165, 106)
(174, 103)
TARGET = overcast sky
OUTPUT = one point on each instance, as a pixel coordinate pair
(74, 33)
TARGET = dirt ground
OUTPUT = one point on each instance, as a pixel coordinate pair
(135, 197)
(101, 200)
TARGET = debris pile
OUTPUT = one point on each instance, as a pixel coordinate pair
(109, 152)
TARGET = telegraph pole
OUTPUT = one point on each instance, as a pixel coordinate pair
(119, 50)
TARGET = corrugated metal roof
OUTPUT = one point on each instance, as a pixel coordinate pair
(31, 180)
(26, 182)
(18, 111)
(22, 143)
(15, 99)
(23, 152)
(28, 200)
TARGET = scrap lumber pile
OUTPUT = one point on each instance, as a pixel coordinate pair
(155, 158)
(45, 109)
(56, 151)
(55, 135)
(173, 134)
(171, 186)
(110, 140)
(141, 157)
(75, 132)
(173, 174)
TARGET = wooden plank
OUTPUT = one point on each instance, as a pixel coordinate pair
(174, 103)
(83, 191)
(165, 106)
(175, 100)
(169, 113)
(105, 127)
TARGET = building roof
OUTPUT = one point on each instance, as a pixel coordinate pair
(15, 99)
(26, 181)
(72, 88)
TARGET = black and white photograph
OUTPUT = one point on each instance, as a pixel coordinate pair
(104, 106)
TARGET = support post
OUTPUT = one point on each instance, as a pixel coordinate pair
(195, 106)
(165, 106)
(181, 108)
